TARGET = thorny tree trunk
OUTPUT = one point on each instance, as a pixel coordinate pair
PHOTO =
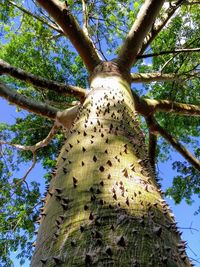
(103, 207)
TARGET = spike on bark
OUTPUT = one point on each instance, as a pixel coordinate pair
(91, 216)
(101, 183)
(121, 241)
(109, 163)
(88, 259)
(101, 168)
(82, 228)
(65, 170)
(109, 251)
(95, 158)
(43, 261)
(157, 230)
(86, 207)
(57, 260)
(58, 190)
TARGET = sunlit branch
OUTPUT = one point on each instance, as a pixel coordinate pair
(41, 83)
(177, 51)
(61, 14)
(177, 145)
(26, 103)
(139, 30)
(162, 77)
(24, 10)
(66, 117)
(173, 107)
(158, 26)
(85, 17)
(147, 107)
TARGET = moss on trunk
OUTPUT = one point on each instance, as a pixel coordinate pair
(103, 206)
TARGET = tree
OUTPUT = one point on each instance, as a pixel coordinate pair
(103, 206)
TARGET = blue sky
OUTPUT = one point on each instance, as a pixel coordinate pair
(183, 212)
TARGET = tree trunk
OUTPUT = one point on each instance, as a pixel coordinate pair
(103, 206)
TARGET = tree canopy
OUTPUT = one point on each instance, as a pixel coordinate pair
(46, 57)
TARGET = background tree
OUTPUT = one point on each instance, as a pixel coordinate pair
(38, 63)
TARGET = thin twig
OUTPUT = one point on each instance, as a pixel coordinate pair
(24, 10)
(30, 169)
(176, 51)
(38, 145)
(33, 149)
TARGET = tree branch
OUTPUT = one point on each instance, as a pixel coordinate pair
(157, 27)
(178, 146)
(67, 116)
(85, 17)
(177, 51)
(38, 145)
(173, 107)
(40, 82)
(33, 149)
(139, 30)
(29, 170)
(24, 10)
(146, 107)
(161, 77)
(192, 3)
(27, 103)
(63, 17)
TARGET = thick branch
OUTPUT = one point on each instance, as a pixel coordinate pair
(161, 77)
(63, 17)
(24, 10)
(178, 146)
(157, 27)
(40, 82)
(173, 107)
(139, 30)
(85, 17)
(146, 107)
(67, 116)
(27, 103)
(177, 51)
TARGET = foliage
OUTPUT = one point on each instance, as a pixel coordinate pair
(33, 46)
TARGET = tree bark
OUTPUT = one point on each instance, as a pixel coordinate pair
(26, 103)
(162, 77)
(157, 27)
(139, 30)
(40, 82)
(60, 12)
(103, 206)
